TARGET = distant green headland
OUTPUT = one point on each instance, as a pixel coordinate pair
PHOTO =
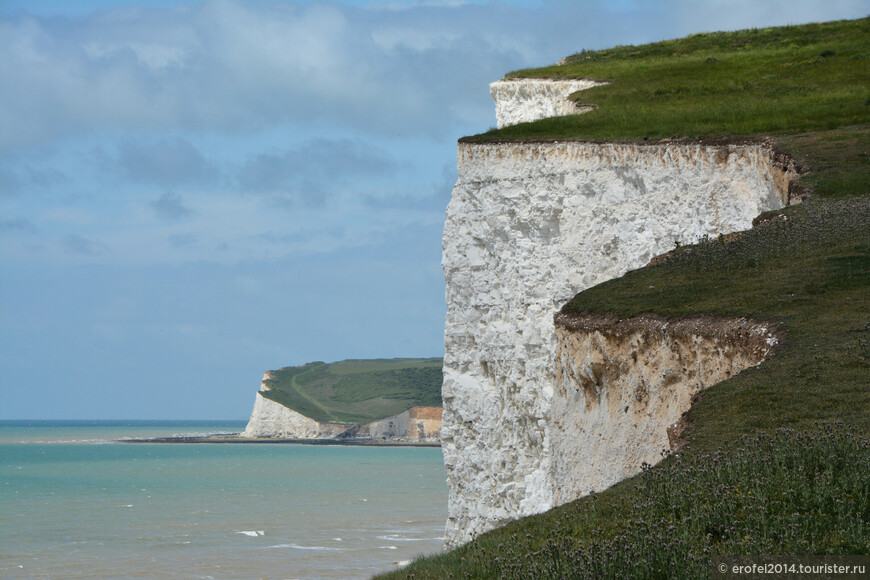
(356, 391)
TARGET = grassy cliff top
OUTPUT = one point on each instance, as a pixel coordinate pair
(793, 79)
(357, 391)
(741, 485)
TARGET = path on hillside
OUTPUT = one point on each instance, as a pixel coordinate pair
(298, 388)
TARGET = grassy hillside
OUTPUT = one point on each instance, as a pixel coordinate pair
(794, 78)
(775, 461)
(357, 391)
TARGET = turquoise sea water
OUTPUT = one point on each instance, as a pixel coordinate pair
(75, 504)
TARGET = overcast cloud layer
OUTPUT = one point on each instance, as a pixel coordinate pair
(192, 193)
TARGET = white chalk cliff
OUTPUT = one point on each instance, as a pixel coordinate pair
(522, 101)
(271, 419)
(528, 226)
(417, 424)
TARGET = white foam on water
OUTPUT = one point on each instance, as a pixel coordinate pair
(389, 547)
(315, 548)
(252, 533)
(398, 538)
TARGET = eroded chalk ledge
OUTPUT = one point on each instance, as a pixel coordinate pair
(623, 387)
(526, 100)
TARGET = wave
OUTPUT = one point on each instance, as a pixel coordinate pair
(398, 538)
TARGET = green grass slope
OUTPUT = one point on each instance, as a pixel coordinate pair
(357, 391)
(794, 78)
(775, 458)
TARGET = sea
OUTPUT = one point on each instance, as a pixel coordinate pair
(78, 502)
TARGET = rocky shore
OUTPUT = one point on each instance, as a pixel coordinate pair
(239, 438)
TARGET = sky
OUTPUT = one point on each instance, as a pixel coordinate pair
(192, 193)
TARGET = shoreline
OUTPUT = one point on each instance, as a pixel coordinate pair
(235, 438)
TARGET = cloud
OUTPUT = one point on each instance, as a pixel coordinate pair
(46, 176)
(179, 241)
(169, 206)
(309, 172)
(237, 67)
(434, 198)
(27, 176)
(10, 183)
(82, 246)
(167, 162)
(18, 225)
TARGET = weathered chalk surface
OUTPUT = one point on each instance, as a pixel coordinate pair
(528, 226)
(522, 101)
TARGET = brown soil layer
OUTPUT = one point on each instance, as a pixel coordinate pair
(425, 412)
(747, 332)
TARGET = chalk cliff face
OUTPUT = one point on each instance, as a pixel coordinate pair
(530, 225)
(420, 424)
(526, 100)
(271, 419)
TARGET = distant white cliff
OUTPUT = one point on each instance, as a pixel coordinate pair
(528, 226)
(273, 420)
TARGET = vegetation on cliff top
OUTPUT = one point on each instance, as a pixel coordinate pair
(774, 457)
(782, 493)
(357, 391)
(793, 78)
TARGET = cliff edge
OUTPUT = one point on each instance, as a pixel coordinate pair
(529, 225)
